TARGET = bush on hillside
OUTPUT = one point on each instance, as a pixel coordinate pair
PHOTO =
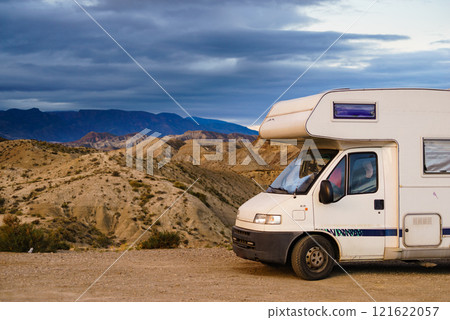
(115, 173)
(73, 231)
(2, 205)
(161, 240)
(201, 196)
(21, 237)
(179, 185)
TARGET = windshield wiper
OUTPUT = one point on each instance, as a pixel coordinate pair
(280, 190)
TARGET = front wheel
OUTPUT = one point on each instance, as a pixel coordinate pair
(312, 258)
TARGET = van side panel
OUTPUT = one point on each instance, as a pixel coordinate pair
(420, 207)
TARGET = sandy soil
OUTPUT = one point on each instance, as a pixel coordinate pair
(206, 275)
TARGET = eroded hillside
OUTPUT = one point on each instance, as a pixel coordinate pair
(57, 186)
(91, 196)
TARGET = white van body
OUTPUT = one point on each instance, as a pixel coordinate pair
(403, 135)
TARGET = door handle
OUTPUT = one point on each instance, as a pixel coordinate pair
(378, 204)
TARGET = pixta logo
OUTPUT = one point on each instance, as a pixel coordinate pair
(142, 141)
(149, 147)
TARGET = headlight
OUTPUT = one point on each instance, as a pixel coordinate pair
(273, 219)
(267, 218)
(260, 218)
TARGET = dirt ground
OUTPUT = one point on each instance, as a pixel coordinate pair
(206, 275)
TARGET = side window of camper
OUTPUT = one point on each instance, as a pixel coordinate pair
(363, 173)
(354, 111)
(436, 153)
(337, 179)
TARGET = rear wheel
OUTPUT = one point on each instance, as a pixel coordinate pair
(312, 258)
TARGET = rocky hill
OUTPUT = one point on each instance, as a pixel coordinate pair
(94, 199)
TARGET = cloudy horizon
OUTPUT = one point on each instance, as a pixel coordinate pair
(224, 60)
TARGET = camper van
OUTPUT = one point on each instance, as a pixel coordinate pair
(372, 182)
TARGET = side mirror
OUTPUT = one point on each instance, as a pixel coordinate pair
(326, 192)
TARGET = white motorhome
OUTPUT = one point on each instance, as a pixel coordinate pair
(373, 185)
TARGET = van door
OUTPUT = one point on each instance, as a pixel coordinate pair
(356, 216)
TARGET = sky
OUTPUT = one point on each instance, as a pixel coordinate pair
(227, 60)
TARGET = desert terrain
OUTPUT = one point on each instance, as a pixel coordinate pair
(205, 274)
(91, 198)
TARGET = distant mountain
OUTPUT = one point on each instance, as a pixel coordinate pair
(106, 141)
(64, 126)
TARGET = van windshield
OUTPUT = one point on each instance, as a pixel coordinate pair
(300, 174)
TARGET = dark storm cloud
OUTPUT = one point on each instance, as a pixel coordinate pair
(222, 59)
(265, 44)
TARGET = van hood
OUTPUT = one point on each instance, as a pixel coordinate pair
(262, 203)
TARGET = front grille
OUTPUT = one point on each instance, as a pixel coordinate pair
(244, 243)
(244, 233)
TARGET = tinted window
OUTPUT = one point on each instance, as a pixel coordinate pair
(354, 111)
(363, 173)
(436, 156)
(337, 179)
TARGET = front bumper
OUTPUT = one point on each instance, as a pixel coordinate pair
(265, 246)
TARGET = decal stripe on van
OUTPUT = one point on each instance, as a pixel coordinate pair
(362, 232)
(370, 232)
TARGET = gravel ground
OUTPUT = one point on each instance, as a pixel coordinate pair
(206, 275)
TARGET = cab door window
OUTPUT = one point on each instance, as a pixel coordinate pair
(360, 176)
(337, 179)
(363, 173)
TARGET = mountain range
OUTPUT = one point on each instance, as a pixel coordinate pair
(106, 141)
(65, 126)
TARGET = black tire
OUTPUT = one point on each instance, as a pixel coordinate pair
(311, 258)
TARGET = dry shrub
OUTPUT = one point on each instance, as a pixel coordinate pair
(21, 237)
(161, 240)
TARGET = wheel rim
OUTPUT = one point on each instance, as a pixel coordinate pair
(316, 259)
